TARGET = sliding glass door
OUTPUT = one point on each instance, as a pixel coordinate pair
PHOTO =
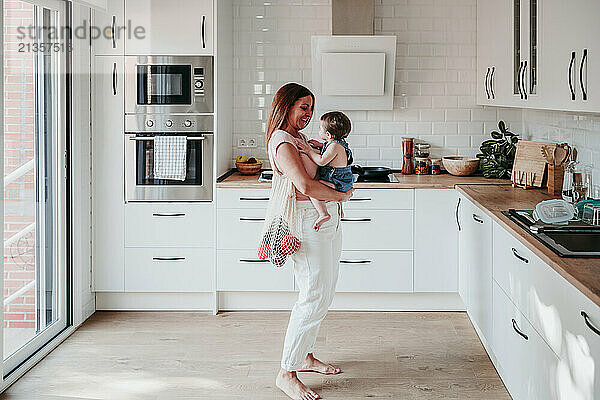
(35, 125)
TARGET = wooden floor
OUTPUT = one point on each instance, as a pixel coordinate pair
(169, 355)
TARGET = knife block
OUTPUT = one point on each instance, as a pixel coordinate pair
(556, 174)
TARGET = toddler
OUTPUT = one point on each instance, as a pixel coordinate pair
(333, 159)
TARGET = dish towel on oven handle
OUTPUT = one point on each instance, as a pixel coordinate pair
(170, 157)
(280, 237)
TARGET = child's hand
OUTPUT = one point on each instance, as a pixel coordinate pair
(303, 146)
(315, 144)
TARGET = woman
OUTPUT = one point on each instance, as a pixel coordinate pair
(316, 263)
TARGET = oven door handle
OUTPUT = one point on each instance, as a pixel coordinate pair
(138, 138)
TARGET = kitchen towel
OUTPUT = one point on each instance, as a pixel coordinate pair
(170, 157)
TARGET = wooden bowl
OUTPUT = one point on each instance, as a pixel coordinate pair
(248, 168)
(460, 166)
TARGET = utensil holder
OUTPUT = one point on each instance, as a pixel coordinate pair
(556, 175)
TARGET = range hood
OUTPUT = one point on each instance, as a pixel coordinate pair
(353, 69)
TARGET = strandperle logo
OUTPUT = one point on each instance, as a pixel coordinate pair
(83, 31)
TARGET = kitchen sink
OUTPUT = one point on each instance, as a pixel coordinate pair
(574, 239)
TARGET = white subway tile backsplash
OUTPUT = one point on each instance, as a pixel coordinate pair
(435, 76)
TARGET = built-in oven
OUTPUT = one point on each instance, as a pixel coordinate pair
(140, 182)
(168, 84)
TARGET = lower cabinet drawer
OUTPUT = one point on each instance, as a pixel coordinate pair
(243, 198)
(239, 228)
(169, 225)
(528, 367)
(169, 270)
(241, 270)
(376, 271)
(377, 230)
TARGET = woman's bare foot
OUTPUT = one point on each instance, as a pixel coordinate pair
(289, 383)
(311, 364)
(320, 221)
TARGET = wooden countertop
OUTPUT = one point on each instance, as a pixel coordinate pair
(444, 181)
(583, 273)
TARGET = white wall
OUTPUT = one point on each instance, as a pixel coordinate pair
(435, 75)
(579, 130)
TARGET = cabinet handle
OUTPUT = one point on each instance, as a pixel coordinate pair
(251, 261)
(492, 83)
(523, 79)
(457, 209)
(204, 31)
(114, 79)
(356, 219)
(487, 77)
(168, 214)
(168, 258)
(254, 199)
(583, 61)
(571, 75)
(520, 257)
(477, 218)
(586, 318)
(355, 261)
(360, 199)
(112, 31)
(519, 80)
(516, 328)
(251, 219)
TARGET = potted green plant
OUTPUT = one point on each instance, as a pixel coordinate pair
(498, 153)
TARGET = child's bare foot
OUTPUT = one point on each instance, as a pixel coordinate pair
(289, 383)
(320, 221)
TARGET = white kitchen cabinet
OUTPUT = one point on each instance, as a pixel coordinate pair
(571, 55)
(174, 27)
(436, 228)
(107, 175)
(381, 199)
(240, 228)
(169, 225)
(494, 63)
(475, 264)
(376, 271)
(377, 230)
(169, 269)
(241, 270)
(243, 198)
(110, 25)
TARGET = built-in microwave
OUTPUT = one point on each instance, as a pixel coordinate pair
(168, 84)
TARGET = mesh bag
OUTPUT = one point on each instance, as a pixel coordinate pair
(280, 237)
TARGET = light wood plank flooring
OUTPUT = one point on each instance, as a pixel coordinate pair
(235, 355)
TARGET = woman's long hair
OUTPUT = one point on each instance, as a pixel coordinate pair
(283, 101)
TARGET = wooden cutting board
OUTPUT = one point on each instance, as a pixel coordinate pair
(530, 165)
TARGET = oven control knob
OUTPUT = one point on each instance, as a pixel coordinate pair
(199, 84)
(187, 123)
(168, 123)
(149, 123)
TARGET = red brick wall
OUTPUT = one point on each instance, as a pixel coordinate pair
(19, 197)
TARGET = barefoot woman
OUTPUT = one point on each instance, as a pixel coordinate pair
(316, 263)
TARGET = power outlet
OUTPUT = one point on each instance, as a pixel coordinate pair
(242, 142)
(251, 142)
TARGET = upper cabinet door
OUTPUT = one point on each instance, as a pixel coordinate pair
(571, 55)
(494, 34)
(174, 27)
(109, 29)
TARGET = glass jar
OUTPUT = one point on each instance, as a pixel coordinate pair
(436, 166)
(422, 166)
(422, 149)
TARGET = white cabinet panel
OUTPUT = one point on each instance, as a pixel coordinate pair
(174, 27)
(436, 240)
(239, 228)
(377, 230)
(381, 199)
(243, 198)
(169, 225)
(242, 270)
(107, 174)
(111, 23)
(376, 271)
(169, 270)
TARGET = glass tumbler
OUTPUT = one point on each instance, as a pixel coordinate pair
(591, 214)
